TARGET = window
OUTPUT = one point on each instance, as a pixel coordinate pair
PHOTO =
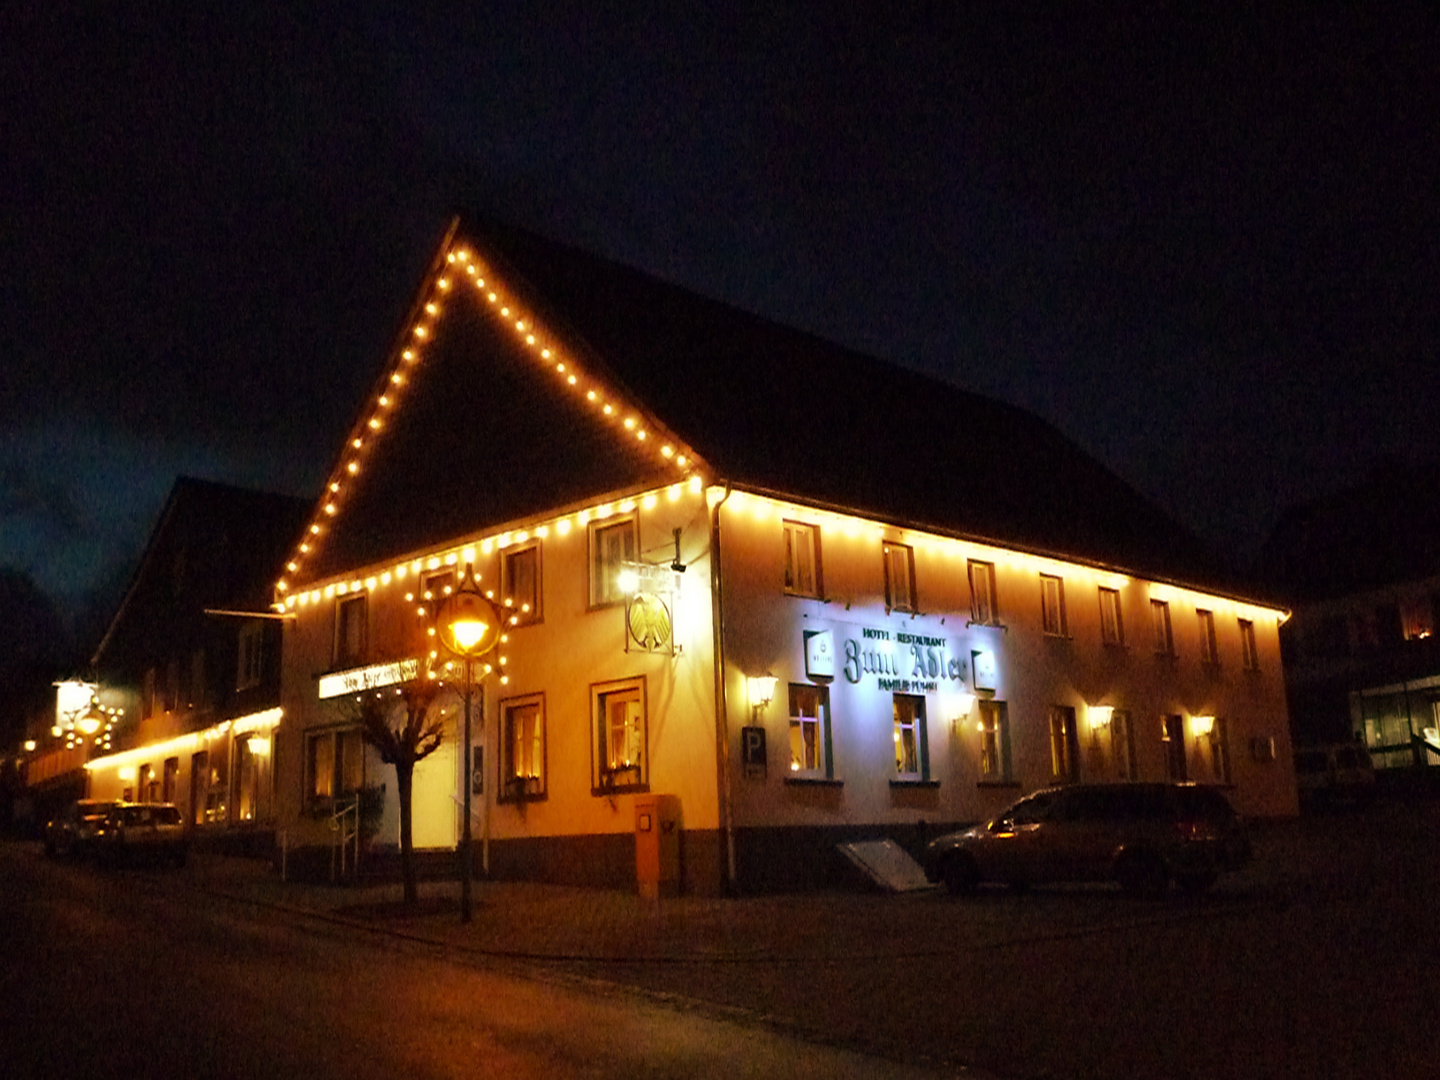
(612, 544)
(983, 608)
(1122, 745)
(802, 559)
(251, 664)
(899, 577)
(994, 743)
(150, 693)
(170, 780)
(912, 755)
(350, 619)
(334, 765)
(438, 585)
(172, 685)
(522, 753)
(1209, 654)
(1112, 630)
(810, 731)
(1064, 745)
(1052, 604)
(1250, 656)
(1160, 621)
(520, 581)
(1220, 750)
(621, 749)
(1172, 736)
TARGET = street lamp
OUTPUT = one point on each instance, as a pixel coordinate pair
(468, 624)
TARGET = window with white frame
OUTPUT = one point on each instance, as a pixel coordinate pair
(1250, 656)
(351, 615)
(334, 765)
(1052, 604)
(1172, 738)
(994, 743)
(1209, 653)
(251, 661)
(1160, 626)
(802, 559)
(1122, 745)
(1064, 745)
(983, 608)
(1220, 750)
(1112, 629)
(810, 755)
(899, 576)
(621, 751)
(612, 544)
(912, 753)
(522, 750)
(520, 583)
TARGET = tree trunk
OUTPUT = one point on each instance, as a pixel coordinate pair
(404, 784)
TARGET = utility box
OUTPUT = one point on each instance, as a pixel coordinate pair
(657, 845)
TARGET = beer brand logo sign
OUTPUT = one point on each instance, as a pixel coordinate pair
(648, 621)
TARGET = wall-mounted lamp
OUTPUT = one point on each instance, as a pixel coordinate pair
(258, 745)
(629, 582)
(126, 772)
(963, 704)
(1202, 725)
(761, 689)
(29, 746)
(1101, 715)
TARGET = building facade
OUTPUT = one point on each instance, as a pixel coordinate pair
(188, 671)
(738, 606)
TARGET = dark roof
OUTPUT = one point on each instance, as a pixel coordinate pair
(213, 546)
(1381, 531)
(486, 438)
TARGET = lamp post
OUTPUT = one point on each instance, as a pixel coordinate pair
(468, 624)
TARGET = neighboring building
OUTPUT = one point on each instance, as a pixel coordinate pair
(1362, 654)
(676, 500)
(189, 667)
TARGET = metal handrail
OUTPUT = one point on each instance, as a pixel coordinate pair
(345, 827)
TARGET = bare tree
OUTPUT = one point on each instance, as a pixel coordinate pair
(404, 728)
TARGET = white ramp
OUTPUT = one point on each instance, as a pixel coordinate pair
(887, 864)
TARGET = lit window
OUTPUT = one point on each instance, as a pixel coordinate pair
(899, 577)
(350, 619)
(912, 754)
(994, 743)
(802, 559)
(170, 781)
(251, 659)
(1112, 630)
(437, 586)
(621, 758)
(810, 731)
(522, 755)
(1209, 654)
(334, 766)
(1172, 738)
(983, 608)
(612, 545)
(520, 581)
(1064, 745)
(1249, 654)
(1160, 623)
(1122, 745)
(1052, 604)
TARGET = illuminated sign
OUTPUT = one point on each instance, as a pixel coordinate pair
(819, 654)
(909, 663)
(357, 680)
(648, 620)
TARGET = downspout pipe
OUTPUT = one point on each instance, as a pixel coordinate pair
(722, 710)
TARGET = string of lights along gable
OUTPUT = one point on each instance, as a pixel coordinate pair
(630, 419)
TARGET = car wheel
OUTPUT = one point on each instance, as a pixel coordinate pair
(1197, 883)
(959, 875)
(1142, 875)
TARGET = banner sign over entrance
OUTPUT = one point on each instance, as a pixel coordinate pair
(903, 661)
(358, 680)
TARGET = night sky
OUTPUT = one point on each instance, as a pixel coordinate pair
(1203, 245)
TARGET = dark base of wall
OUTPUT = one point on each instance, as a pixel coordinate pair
(799, 859)
(604, 861)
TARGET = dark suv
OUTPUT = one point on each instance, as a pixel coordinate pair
(1141, 835)
(72, 831)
